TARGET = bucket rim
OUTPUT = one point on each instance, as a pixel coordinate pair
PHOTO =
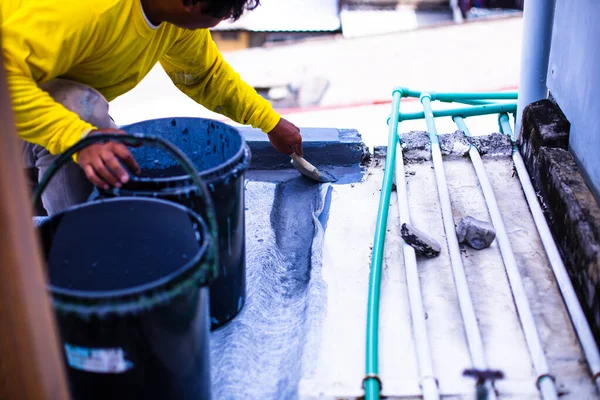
(147, 287)
(240, 154)
(211, 176)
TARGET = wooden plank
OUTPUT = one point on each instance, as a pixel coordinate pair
(31, 366)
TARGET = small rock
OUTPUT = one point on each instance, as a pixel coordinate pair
(421, 242)
(477, 234)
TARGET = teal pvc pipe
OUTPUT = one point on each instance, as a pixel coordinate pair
(471, 102)
(372, 387)
(429, 115)
(505, 128)
(451, 96)
(463, 111)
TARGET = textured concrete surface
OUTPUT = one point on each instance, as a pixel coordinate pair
(575, 221)
(302, 331)
(417, 147)
(346, 261)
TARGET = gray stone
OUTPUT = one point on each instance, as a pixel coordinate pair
(423, 244)
(454, 144)
(495, 144)
(416, 146)
(476, 233)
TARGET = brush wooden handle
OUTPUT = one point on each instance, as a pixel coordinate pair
(302, 163)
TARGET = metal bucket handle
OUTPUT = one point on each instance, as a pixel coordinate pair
(134, 140)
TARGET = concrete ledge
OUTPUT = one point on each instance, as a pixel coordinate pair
(572, 210)
(416, 146)
(322, 147)
(544, 124)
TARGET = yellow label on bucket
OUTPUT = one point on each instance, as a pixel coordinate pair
(103, 361)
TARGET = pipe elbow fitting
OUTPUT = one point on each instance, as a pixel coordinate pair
(400, 89)
(425, 95)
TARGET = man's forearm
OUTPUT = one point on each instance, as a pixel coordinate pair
(41, 120)
(199, 70)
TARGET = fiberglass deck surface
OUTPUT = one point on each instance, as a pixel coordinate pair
(302, 332)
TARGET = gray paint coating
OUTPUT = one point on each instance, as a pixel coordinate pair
(574, 81)
(264, 351)
(322, 147)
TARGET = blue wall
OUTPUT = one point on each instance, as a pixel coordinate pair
(574, 79)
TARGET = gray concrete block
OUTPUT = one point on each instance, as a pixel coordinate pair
(573, 210)
(544, 124)
(476, 233)
(423, 244)
(322, 147)
(416, 146)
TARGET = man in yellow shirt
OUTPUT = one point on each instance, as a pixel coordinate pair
(102, 49)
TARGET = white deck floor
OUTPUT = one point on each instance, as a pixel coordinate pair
(346, 264)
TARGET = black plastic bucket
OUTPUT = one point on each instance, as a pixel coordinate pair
(221, 156)
(129, 281)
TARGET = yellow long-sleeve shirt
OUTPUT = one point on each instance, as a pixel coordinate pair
(110, 46)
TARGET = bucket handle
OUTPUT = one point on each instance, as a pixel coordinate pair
(136, 139)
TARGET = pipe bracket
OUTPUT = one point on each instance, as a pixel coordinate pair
(423, 379)
(372, 376)
(538, 381)
(401, 90)
(425, 95)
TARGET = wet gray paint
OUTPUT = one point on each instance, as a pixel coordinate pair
(323, 147)
(263, 352)
(343, 174)
(292, 222)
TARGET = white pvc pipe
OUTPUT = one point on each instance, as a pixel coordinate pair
(538, 19)
(546, 384)
(417, 312)
(456, 12)
(460, 280)
(586, 338)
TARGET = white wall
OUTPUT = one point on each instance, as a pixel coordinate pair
(574, 79)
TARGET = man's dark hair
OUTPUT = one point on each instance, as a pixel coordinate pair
(226, 9)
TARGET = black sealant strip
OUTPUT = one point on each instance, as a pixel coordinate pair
(294, 228)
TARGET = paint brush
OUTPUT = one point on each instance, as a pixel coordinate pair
(310, 171)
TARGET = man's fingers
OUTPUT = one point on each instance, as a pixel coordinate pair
(93, 177)
(125, 155)
(104, 173)
(115, 167)
(299, 149)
